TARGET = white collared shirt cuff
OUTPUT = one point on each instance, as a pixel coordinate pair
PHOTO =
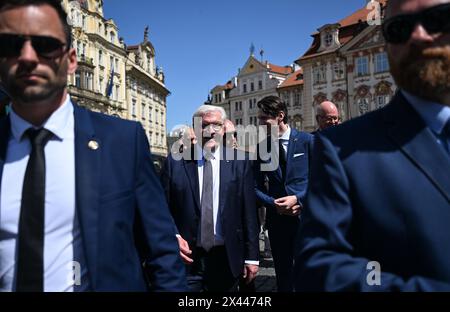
(252, 262)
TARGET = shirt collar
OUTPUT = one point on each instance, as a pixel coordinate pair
(286, 135)
(216, 154)
(434, 114)
(58, 123)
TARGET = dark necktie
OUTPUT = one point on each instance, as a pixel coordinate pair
(30, 260)
(282, 154)
(207, 219)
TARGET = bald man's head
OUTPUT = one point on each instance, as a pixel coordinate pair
(327, 115)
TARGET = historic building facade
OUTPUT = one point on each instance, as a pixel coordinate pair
(146, 94)
(291, 92)
(115, 79)
(254, 81)
(346, 64)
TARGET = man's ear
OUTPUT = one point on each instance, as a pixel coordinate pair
(72, 60)
(281, 115)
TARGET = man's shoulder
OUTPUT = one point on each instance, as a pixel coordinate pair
(103, 121)
(365, 128)
(302, 135)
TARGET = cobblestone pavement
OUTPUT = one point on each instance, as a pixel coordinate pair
(265, 280)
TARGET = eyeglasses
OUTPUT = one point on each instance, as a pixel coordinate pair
(329, 118)
(436, 19)
(214, 126)
(47, 47)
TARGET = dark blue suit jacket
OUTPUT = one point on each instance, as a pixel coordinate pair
(237, 205)
(380, 191)
(297, 168)
(123, 215)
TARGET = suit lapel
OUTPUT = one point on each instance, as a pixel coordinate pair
(191, 168)
(293, 140)
(419, 144)
(226, 174)
(4, 139)
(87, 181)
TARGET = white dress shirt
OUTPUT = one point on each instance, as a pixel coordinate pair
(61, 230)
(215, 163)
(284, 139)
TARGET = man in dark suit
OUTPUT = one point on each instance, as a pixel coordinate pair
(379, 201)
(212, 200)
(73, 204)
(287, 182)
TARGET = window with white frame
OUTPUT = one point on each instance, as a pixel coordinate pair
(297, 98)
(319, 74)
(362, 66)
(381, 62)
(286, 98)
(338, 71)
(363, 105)
(328, 40)
(133, 108)
(78, 79)
(100, 57)
(382, 100)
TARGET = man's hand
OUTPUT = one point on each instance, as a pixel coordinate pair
(287, 206)
(185, 251)
(250, 271)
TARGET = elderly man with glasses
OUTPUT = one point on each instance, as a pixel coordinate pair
(378, 209)
(212, 199)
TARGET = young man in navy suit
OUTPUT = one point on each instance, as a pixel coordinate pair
(287, 182)
(378, 210)
(212, 199)
(73, 204)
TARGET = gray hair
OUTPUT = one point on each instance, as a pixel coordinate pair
(209, 108)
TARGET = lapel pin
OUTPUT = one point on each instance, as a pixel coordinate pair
(93, 145)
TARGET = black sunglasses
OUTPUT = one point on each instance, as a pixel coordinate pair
(436, 19)
(47, 47)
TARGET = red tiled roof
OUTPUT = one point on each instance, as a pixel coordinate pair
(349, 28)
(229, 85)
(361, 14)
(284, 70)
(294, 79)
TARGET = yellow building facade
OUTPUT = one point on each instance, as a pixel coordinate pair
(115, 79)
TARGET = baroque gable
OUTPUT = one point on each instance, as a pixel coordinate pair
(252, 66)
(369, 38)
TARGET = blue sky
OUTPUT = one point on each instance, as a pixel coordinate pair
(202, 43)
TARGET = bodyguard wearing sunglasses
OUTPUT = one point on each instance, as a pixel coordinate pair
(72, 203)
(378, 208)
